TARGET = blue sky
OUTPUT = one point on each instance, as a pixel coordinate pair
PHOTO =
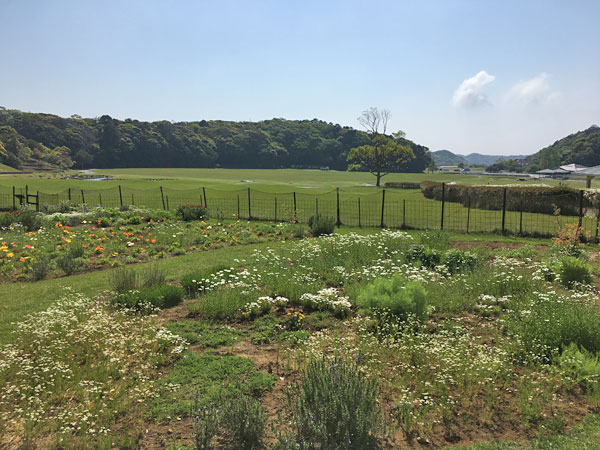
(495, 77)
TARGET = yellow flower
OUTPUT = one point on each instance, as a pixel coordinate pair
(10, 255)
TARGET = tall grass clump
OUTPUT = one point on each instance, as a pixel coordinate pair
(395, 295)
(550, 323)
(244, 421)
(146, 299)
(123, 279)
(321, 225)
(438, 239)
(152, 275)
(573, 271)
(336, 408)
(222, 303)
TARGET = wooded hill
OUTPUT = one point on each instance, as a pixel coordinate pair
(582, 147)
(46, 141)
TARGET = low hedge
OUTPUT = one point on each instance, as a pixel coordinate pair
(402, 185)
(533, 199)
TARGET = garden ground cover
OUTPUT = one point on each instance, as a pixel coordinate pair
(255, 325)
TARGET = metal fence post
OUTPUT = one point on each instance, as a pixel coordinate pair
(503, 209)
(295, 210)
(382, 206)
(204, 195)
(249, 208)
(468, 213)
(167, 199)
(597, 223)
(580, 209)
(82, 197)
(37, 202)
(521, 223)
(443, 203)
(69, 194)
(120, 196)
(162, 197)
(337, 190)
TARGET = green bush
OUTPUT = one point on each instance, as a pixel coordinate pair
(458, 261)
(123, 279)
(40, 269)
(547, 325)
(426, 256)
(161, 296)
(336, 408)
(188, 213)
(573, 270)
(152, 275)
(68, 264)
(438, 239)
(30, 220)
(401, 298)
(321, 225)
(244, 420)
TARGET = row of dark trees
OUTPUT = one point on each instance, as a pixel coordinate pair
(104, 142)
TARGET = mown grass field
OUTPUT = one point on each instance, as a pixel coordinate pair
(286, 334)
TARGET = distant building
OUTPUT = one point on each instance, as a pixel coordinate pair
(573, 168)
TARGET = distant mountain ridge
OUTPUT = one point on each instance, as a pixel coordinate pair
(447, 158)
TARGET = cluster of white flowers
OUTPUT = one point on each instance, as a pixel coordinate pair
(328, 299)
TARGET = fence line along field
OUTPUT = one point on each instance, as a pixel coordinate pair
(287, 195)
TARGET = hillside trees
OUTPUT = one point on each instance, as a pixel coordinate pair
(275, 143)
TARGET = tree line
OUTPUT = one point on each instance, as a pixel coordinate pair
(48, 141)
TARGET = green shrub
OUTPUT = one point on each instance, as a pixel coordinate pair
(40, 269)
(123, 279)
(161, 296)
(458, 261)
(76, 251)
(207, 419)
(573, 270)
(395, 295)
(321, 225)
(244, 420)
(426, 256)
(68, 264)
(438, 239)
(152, 275)
(547, 325)
(30, 220)
(188, 213)
(336, 408)
(222, 303)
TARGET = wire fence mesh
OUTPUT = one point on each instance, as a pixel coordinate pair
(381, 209)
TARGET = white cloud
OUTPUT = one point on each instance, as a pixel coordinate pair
(469, 94)
(535, 91)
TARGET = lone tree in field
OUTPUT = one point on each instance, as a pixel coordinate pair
(385, 154)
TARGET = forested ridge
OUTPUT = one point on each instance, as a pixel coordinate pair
(47, 141)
